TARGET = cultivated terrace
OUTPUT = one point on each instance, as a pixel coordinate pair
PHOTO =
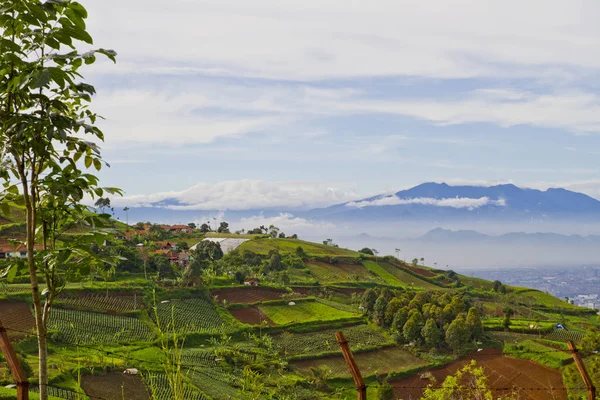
(178, 318)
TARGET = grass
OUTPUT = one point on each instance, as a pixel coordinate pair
(11, 394)
(539, 353)
(230, 235)
(477, 283)
(358, 336)
(263, 246)
(544, 299)
(303, 312)
(332, 273)
(408, 279)
(521, 325)
(372, 362)
(382, 273)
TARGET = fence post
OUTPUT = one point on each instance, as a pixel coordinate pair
(583, 371)
(15, 366)
(354, 371)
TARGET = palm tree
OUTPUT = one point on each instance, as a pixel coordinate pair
(126, 209)
(397, 250)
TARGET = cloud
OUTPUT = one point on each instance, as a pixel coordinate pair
(458, 202)
(245, 195)
(327, 39)
(288, 223)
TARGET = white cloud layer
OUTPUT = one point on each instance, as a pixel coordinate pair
(246, 195)
(320, 39)
(287, 222)
(458, 202)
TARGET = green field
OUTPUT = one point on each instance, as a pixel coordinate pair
(521, 325)
(307, 311)
(539, 353)
(263, 246)
(408, 279)
(358, 336)
(381, 361)
(336, 273)
(190, 315)
(382, 273)
(80, 327)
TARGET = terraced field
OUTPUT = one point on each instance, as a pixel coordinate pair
(332, 273)
(248, 295)
(16, 318)
(80, 327)
(263, 246)
(382, 361)
(358, 336)
(381, 272)
(190, 315)
(100, 302)
(408, 279)
(562, 335)
(303, 312)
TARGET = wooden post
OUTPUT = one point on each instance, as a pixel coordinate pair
(354, 371)
(14, 365)
(583, 371)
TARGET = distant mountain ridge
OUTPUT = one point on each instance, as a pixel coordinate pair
(440, 201)
(440, 235)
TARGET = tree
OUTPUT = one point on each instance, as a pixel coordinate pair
(182, 245)
(508, 312)
(207, 250)
(204, 228)
(379, 310)
(328, 242)
(273, 231)
(223, 227)
(43, 117)
(126, 209)
(470, 383)
(431, 333)
(474, 323)
(457, 334)
(158, 232)
(192, 225)
(385, 391)
(422, 261)
(300, 252)
(102, 203)
(281, 235)
(590, 343)
(366, 250)
(415, 262)
(369, 299)
(411, 330)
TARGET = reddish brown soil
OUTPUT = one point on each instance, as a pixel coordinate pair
(17, 318)
(421, 271)
(307, 290)
(251, 316)
(349, 291)
(247, 295)
(504, 374)
(115, 386)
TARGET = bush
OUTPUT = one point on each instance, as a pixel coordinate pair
(385, 392)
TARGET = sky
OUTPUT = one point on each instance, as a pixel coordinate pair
(315, 102)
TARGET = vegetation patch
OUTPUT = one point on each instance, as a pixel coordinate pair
(189, 315)
(530, 350)
(247, 295)
(331, 273)
(303, 312)
(387, 277)
(16, 318)
(378, 362)
(115, 386)
(101, 302)
(251, 316)
(408, 279)
(563, 335)
(263, 246)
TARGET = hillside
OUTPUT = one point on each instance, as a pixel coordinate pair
(281, 323)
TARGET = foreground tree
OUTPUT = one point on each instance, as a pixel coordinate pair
(43, 120)
(469, 383)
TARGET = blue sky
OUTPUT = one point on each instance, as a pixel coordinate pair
(313, 102)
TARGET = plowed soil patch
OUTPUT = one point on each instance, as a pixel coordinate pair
(529, 380)
(17, 318)
(421, 271)
(247, 295)
(251, 316)
(115, 386)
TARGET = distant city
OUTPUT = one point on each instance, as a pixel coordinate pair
(581, 284)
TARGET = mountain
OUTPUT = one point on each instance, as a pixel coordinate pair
(439, 235)
(442, 202)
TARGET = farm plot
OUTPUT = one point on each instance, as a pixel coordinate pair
(80, 327)
(421, 271)
(408, 279)
(119, 304)
(536, 381)
(115, 386)
(207, 373)
(382, 361)
(251, 316)
(263, 246)
(193, 315)
(358, 336)
(17, 318)
(378, 270)
(160, 388)
(330, 273)
(304, 312)
(247, 295)
(562, 335)
(539, 353)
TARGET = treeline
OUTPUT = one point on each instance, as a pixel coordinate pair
(428, 320)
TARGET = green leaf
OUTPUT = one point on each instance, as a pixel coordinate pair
(40, 79)
(97, 164)
(88, 161)
(111, 54)
(9, 273)
(5, 208)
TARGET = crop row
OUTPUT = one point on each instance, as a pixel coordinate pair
(79, 327)
(359, 336)
(407, 278)
(194, 315)
(562, 335)
(101, 302)
(161, 389)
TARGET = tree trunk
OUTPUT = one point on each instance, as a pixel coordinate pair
(37, 302)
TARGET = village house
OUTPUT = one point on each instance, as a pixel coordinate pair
(179, 229)
(8, 250)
